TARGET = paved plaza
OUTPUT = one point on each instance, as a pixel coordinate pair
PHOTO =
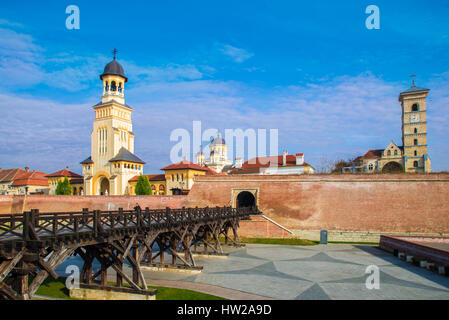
(333, 271)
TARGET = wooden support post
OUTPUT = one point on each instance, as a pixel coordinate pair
(135, 255)
(20, 283)
(119, 278)
(186, 248)
(173, 246)
(161, 252)
(104, 275)
(89, 270)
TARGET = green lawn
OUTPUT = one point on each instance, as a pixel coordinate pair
(361, 243)
(284, 241)
(293, 241)
(56, 289)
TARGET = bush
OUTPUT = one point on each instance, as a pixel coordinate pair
(143, 187)
(64, 188)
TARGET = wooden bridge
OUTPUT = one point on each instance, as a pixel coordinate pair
(33, 245)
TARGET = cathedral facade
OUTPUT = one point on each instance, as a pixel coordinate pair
(218, 156)
(112, 162)
(412, 156)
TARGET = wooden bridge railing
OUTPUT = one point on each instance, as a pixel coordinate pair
(33, 225)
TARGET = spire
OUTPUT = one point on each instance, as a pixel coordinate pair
(413, 80)
(114, 53)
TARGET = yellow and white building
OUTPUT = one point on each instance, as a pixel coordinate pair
(112, 162)
(412, 156)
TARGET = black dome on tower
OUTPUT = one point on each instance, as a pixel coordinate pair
(114, 68)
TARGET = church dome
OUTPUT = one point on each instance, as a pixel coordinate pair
(114, 68)
(218, 141)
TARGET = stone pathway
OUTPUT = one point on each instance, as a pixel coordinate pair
(334, 271)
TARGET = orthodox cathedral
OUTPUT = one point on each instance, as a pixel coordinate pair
(217, 160)
(112, 162)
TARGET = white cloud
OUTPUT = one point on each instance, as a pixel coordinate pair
(237, 54)
(340, 118)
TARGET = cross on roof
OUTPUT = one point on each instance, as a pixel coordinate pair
(114, 52)
(413, 80)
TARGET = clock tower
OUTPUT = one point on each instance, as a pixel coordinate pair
(414, 129)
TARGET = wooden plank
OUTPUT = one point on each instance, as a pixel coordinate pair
(55, 260)
(130, 243)
(4, 273)
(7, 291)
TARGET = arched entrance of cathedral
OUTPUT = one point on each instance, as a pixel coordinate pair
(245, 199)
(104, 187)
(392, 167)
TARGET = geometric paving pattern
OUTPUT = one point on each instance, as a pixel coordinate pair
(321, 272)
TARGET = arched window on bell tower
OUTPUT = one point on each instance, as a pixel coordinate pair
(113, 86)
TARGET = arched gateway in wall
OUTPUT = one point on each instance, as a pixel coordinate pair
(245, 199)
(241, 198)
(392, 167)
(104, 187)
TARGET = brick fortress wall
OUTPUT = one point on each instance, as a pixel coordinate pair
(351, 207)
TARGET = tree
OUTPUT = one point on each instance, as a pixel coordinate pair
(143, 187)
(64, 188)
(340, 164)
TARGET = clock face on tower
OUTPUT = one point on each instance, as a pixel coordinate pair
(414, 117)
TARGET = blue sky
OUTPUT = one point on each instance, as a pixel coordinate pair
(311, 70)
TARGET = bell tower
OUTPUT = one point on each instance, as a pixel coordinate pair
(112, 162)
(414, 129)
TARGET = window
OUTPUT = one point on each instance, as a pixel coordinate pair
(416, 130)
(371, 167)
(172, 177)
(415, 164)
(389, 153)
(395, 152)
(415, 107)
(113, 86)
(416, 153)
(182, 176)
(415, 142)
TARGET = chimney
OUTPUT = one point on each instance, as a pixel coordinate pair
(299, 159)
(27, 169)
(284, 158)
(238, 163)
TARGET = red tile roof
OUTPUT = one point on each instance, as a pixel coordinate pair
(263, 162)
(64, 173)
(151, 177)
(34, 178)
(244, 170)
(9, 174)
(372, 154)
(211, 172)
(185, 164)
